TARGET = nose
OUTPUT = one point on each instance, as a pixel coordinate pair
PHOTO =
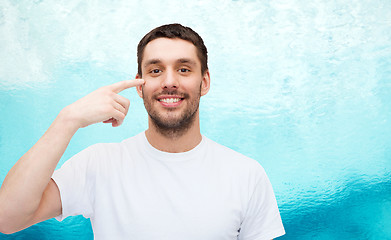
(170, 80)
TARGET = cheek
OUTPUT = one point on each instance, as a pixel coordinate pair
(151, 82)
(194, 86)
(149, 87)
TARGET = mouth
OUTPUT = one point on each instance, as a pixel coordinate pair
(170, 101)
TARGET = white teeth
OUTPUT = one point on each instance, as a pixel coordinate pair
(170, 100)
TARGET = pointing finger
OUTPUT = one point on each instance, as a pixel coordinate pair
(122, 85)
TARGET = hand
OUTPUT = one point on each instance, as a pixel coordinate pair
(102, 105)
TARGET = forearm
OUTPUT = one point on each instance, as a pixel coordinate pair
(22, 189)
(22, 198)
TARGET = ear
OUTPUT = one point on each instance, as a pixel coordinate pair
(139, 88)
(205, 85)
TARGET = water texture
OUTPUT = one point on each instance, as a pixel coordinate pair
(303, 87)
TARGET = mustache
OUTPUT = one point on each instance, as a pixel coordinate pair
(172, 92)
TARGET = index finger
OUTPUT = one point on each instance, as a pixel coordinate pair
(122, 85)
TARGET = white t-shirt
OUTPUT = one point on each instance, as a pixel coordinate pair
(130, 190)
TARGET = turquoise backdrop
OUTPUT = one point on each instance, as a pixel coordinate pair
(303, 87)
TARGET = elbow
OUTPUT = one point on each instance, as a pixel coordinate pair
(5, 225)
(3, 228)
(7, 232)
(6, 229)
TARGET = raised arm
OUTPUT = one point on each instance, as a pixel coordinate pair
(28, 194)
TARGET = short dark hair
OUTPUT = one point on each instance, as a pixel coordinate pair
(174, 31)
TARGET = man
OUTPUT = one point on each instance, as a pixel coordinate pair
(168, 182)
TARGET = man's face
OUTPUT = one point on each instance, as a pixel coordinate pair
(173, 83)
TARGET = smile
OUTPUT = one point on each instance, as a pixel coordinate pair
(169, 100)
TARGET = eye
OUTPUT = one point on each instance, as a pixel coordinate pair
(155, 71)
(184, 70)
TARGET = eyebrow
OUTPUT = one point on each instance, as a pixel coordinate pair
(186, 60)
(152, 61)
(180, 60)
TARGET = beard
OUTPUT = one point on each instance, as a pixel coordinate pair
(171, 122)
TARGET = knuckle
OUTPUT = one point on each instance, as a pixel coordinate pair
(110, 93)
(122, 115)
(127, 102)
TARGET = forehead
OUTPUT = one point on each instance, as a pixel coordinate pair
(170, 50)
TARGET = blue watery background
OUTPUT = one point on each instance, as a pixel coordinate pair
(303, 87)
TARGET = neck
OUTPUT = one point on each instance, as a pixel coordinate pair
(174, 142)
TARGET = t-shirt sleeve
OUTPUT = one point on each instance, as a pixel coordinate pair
(262, 219)
(75, 180)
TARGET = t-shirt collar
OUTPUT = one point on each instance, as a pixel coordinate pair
(166, 156)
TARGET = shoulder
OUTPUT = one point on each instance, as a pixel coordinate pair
(229, 158)
(116, 147)
(103, 153)
(229, 154)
